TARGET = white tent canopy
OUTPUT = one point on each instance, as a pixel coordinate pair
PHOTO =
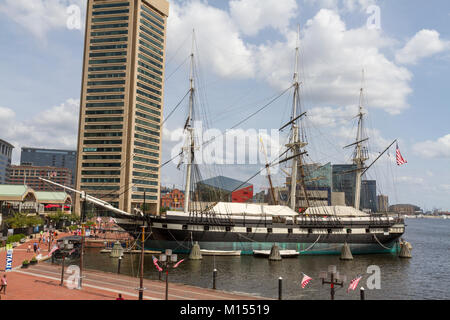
(270, 210)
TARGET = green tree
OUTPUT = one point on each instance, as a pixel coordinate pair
(21, 220)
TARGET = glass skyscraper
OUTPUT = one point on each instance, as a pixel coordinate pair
(50, 158)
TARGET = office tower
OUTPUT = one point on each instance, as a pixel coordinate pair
(50, 158)
(369, 195)
(5, 160)
(344, 178)
(119, 137)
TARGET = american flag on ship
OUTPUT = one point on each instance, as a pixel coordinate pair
(354, 283)
(306, 279)
(155, 262)
(400, 159)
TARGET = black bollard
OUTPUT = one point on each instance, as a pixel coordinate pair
(118, 267)
(361, 291)
(214, 278)
(280, 288)
(159, 275)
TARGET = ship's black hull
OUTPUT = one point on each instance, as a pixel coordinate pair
(318, 238)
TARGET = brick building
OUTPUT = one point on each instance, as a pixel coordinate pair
(173, 199)
(29, 175)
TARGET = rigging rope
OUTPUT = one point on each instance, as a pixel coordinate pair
(382, 244)
(311, 245)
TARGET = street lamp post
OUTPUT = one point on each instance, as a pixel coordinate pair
(335, 279)
(168, 259)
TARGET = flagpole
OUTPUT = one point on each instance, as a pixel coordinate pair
(141, 287)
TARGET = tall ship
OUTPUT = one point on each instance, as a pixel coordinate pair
(248, 227)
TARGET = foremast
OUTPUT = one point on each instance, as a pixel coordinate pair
(189, 149)
(296, 144)
(360, 153)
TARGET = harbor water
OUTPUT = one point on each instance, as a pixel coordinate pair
(424, 276)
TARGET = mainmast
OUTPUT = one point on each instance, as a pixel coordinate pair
(361, 153)
(296, 144)
(190, 133)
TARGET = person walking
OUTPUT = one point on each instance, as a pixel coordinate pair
(29, 249)
(3, 284)
(35, 247)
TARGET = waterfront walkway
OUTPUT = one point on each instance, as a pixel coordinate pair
(42, 282)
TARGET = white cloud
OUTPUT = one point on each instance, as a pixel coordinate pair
(332, 117)
(410, 180)
(332, 59)
(56, 127)
(434, 149)
(343, 5)
(40, 16)
(352, 5)
(255, 15)
(218, 38)
(425, 43)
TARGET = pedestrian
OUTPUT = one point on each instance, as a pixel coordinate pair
(120, 297)
(3, 284)
(29, 249)
(35, 247)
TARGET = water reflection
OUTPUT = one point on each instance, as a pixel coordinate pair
(425, 276)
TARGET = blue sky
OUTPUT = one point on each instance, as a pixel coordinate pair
(245, 56)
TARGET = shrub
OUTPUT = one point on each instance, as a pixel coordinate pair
(25, 262)
(34, 259)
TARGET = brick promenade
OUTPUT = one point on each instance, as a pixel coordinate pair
(42, 282)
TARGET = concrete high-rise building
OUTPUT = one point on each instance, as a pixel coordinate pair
(119, 136)
(383, 203)
(50, 158)
(5, 160)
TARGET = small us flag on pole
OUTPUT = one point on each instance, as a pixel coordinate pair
(399, 157)
(155, 262)
(305, 280)
(354, 283)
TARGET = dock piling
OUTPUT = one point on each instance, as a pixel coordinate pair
(346, 254)
(361, 291)
(195, 252)
(405, 250)
(117, 250)
(275, 253)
